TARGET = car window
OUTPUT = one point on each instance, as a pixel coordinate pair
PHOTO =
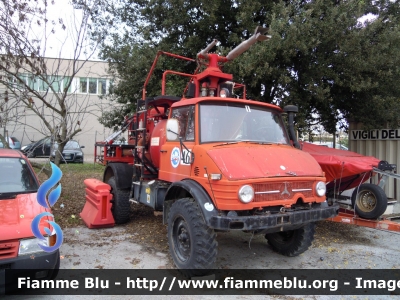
(16, 176)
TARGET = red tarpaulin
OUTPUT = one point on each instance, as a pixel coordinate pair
(348, 167)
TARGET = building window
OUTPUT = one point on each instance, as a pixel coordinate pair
(83, 85)
(55, 82)
(66, 82)
(93, 86)
(24, 79)
(40, 85)
(102, 87)
(96, 86)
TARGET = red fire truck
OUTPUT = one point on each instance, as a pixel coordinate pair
(215, 161)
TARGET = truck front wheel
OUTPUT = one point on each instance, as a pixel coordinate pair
(192, 244)
(120, 203)
(292, 242)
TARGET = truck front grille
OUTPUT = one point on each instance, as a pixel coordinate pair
(282, 190)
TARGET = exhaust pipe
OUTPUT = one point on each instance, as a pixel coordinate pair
(259, 35)
(291, 110)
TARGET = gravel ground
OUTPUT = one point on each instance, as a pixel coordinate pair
(336, 246)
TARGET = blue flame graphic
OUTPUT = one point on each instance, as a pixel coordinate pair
(56, 228)
(52, 199)
(47, 185)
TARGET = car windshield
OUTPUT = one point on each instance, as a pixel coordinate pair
(233, 122)
(16, 176)
(70, 145)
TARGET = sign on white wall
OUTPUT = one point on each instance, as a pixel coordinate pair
(375, 134)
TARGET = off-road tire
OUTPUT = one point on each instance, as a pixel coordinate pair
(292, 242)
(120, 203)
(192, 244)
(369, 201)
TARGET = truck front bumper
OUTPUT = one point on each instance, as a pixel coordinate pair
(274, 222)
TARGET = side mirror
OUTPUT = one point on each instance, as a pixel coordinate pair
(191, 90)
(172, 130)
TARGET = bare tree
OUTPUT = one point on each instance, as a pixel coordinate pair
(35, 86)
(8, 113)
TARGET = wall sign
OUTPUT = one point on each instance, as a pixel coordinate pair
(375, 134)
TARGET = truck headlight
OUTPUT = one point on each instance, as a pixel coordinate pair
(320, 188)
(246, 194)
(29, 246)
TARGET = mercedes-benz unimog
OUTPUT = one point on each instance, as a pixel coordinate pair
(211, 162)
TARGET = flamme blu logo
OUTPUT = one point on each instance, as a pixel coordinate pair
(47, 203)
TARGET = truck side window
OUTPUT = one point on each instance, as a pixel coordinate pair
(185, 117)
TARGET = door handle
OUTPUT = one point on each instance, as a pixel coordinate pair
(163, 151)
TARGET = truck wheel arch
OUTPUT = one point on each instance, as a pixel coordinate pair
(122, 173)
(188, 188)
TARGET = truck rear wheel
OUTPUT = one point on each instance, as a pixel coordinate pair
(192, 243)
(292, 242)
(369, 201)
(120, 203)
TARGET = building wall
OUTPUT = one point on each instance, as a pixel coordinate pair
(83, 106)
(383, 144)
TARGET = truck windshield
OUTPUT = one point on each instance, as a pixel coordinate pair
(16, 177)
(234, 122)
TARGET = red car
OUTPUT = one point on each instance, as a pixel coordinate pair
(19, 248)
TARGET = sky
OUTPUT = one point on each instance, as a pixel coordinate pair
(62, 42)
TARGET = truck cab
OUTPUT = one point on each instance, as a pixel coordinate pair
(240, 154)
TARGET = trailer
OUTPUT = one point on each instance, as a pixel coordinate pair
(389, 221)
(346, 170)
